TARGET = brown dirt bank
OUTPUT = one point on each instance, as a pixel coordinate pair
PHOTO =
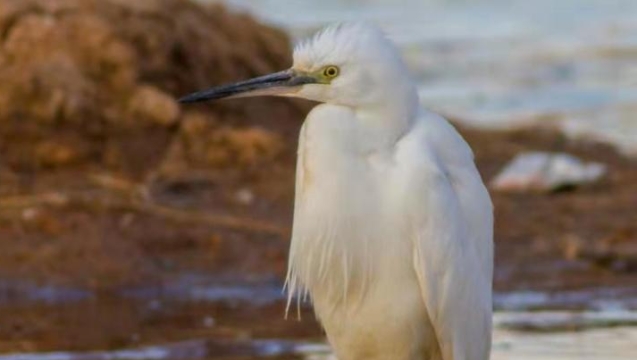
(88, 84)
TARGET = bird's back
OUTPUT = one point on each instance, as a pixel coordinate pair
(455, 157)
(452, 228)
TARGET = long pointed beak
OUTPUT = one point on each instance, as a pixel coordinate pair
(282, 83)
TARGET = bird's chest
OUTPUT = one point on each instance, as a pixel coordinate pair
(357, 256)
(345, 187)
(348, 224)
(339, 161)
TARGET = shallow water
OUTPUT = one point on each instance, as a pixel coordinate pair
(230, 309)
(516, 336)
(201, 288)
(497, 63)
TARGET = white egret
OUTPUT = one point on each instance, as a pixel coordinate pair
(393, 227)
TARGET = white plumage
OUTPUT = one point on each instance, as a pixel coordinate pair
(392, 234)
(393, 226)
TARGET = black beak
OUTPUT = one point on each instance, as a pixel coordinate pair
(283, 83)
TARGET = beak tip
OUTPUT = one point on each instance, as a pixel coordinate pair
(188, 99)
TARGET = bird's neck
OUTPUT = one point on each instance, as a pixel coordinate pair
(386, 121)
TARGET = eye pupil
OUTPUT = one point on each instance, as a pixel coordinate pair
(331, 71)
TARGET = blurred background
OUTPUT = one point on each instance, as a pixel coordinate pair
(133, 228)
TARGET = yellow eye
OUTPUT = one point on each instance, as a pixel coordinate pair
(330, 71)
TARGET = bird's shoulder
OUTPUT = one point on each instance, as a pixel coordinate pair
(434, 145)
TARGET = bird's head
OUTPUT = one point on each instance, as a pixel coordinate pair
(346, 64)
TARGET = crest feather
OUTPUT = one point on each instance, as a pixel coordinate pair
(337, 41)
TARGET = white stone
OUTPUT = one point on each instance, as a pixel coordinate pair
(543, 171)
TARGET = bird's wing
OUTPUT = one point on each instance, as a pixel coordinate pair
(453, 254)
